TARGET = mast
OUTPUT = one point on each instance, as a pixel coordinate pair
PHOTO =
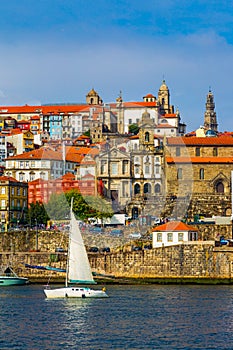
(68, 255)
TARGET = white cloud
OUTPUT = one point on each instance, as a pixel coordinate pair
(44, 73)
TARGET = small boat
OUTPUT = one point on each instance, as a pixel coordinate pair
(10, 278)
(78, 271)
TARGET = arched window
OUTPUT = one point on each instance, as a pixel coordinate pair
(219, 187)
(147, 188)
(157, 188)
(42, 175)
(31, 176)
(137, 189)
(21, 176)
(147, 136)
(201, 174)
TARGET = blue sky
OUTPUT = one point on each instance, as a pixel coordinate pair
(55, 51)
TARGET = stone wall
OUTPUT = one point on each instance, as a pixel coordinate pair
(200, 260)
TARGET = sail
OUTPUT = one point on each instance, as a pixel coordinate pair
(79, 270)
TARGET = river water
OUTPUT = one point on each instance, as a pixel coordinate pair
(134, 317)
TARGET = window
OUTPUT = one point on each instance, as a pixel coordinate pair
(114, 170)
(157, 168)
(198, 151)
(130, 121)
(137, 189)
(124, 188)
(180, 236)
(177, 151)
(31, 176)
(3, 190)
(147, 137)
(12, 190)
(21, 176)
(147, 169)
(147, 188)
(159, 236)
(102, 166)
(136, 169)
(124, 166)
(179, 173)
(170, 237)
(3, 203)
(202, 174)
(215, 152)
(42, 175)
(157, 188)
(18, 191)
(219, 187)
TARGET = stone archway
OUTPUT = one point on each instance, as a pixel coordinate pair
(219, 187)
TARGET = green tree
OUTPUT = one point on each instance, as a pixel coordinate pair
(58, 207)
(133, 129)
(37, 214)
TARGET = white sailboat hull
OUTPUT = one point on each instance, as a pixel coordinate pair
(75, 292)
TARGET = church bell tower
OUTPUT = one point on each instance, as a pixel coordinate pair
(210, 118)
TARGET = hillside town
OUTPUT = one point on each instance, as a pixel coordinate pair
(137, 155)
(158, 197)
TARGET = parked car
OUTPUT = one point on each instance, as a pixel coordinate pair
(96, 229)
(135, 235)
(147, 246)
(223, 241)
(105, 250)
(94, 250)
(116, 232)
(60, 250)
(137, 248)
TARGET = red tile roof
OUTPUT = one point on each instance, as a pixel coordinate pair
(8, 178)
(175, 226)
(149, 95)
(198, 160)
(43, 109)
(41, 153)
(201, 141)
(169, 115)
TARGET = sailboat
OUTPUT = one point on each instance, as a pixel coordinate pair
(78, 271)
(10, 278)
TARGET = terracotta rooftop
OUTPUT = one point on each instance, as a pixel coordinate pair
(200, 141)
(198, 160)
(8, 178)
(175, 226)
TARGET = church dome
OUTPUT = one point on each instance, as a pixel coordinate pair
(92, 93)
(211, 133)
(145, 115)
